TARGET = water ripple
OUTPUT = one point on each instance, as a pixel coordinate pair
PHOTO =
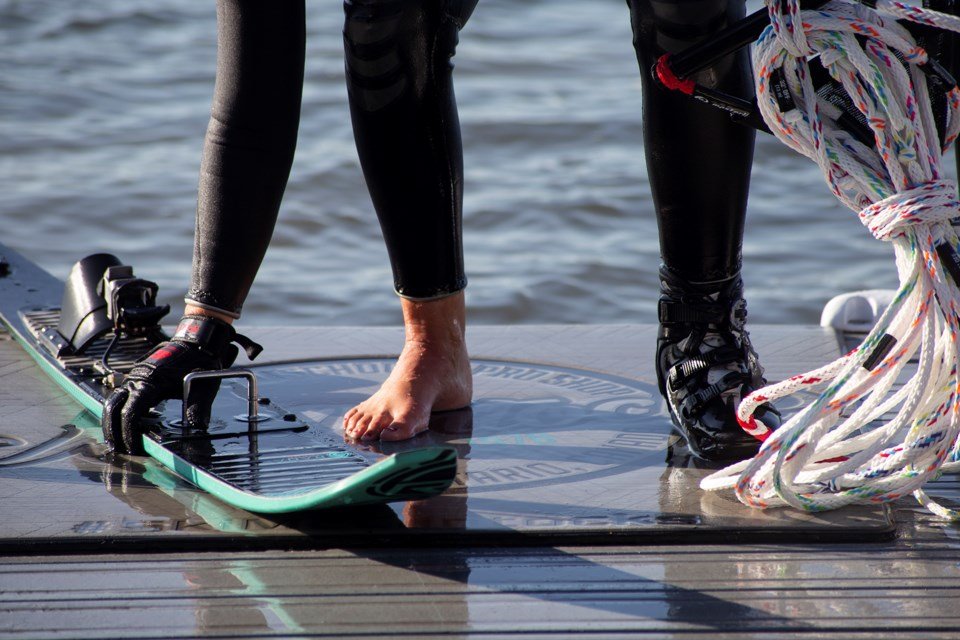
(105, 105)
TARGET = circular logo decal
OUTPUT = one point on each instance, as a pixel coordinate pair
(530, 425)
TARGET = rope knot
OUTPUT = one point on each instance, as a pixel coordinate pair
(928, 203)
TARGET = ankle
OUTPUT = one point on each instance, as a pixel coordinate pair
(435, 322)
(193, 310)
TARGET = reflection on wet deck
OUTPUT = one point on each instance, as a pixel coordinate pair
(561, 524)
(675, 592)
(549, 453)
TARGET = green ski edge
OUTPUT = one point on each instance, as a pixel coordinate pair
(401, 476)
(57, 375)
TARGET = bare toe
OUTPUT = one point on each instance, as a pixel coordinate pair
(348, 416)
(360, 426)
(350, 420)
(404, 428)
(377, 424)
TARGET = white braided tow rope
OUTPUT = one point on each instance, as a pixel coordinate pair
(835, 451)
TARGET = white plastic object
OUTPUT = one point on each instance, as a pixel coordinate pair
(857, 311)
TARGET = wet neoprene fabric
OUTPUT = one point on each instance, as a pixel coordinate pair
(698, 160)
(399, 79)
(400, 84)
(249, 145)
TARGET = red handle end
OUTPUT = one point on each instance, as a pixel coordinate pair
(668, 79)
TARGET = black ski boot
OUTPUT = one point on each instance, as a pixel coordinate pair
(706, 365)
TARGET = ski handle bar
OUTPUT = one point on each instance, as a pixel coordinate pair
(674, 71)
(726, 41)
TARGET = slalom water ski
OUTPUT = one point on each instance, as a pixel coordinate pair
(265, 460)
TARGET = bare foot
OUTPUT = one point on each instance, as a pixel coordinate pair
(431, 374)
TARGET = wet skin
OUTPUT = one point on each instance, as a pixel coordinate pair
(431, 374)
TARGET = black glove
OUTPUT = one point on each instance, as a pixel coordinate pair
(201, 343)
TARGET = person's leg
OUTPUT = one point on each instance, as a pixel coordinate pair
(699, 166)
(697, 158)
(400, 87)
(247, 155)
(248, 149)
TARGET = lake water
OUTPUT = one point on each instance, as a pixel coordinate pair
(103, 108)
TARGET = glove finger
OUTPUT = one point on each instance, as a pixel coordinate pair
(200, 403)
(141, 400)
(110, 420)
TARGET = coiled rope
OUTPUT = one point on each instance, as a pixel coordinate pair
(842, 448)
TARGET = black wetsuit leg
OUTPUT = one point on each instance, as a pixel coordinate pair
(699, 165)
(697, 159)
(249, 145)
(400, 87)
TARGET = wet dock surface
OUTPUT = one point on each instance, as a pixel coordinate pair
(575, 511)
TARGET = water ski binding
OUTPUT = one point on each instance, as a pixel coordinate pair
(88, 334)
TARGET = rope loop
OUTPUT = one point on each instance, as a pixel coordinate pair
(874, 431)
